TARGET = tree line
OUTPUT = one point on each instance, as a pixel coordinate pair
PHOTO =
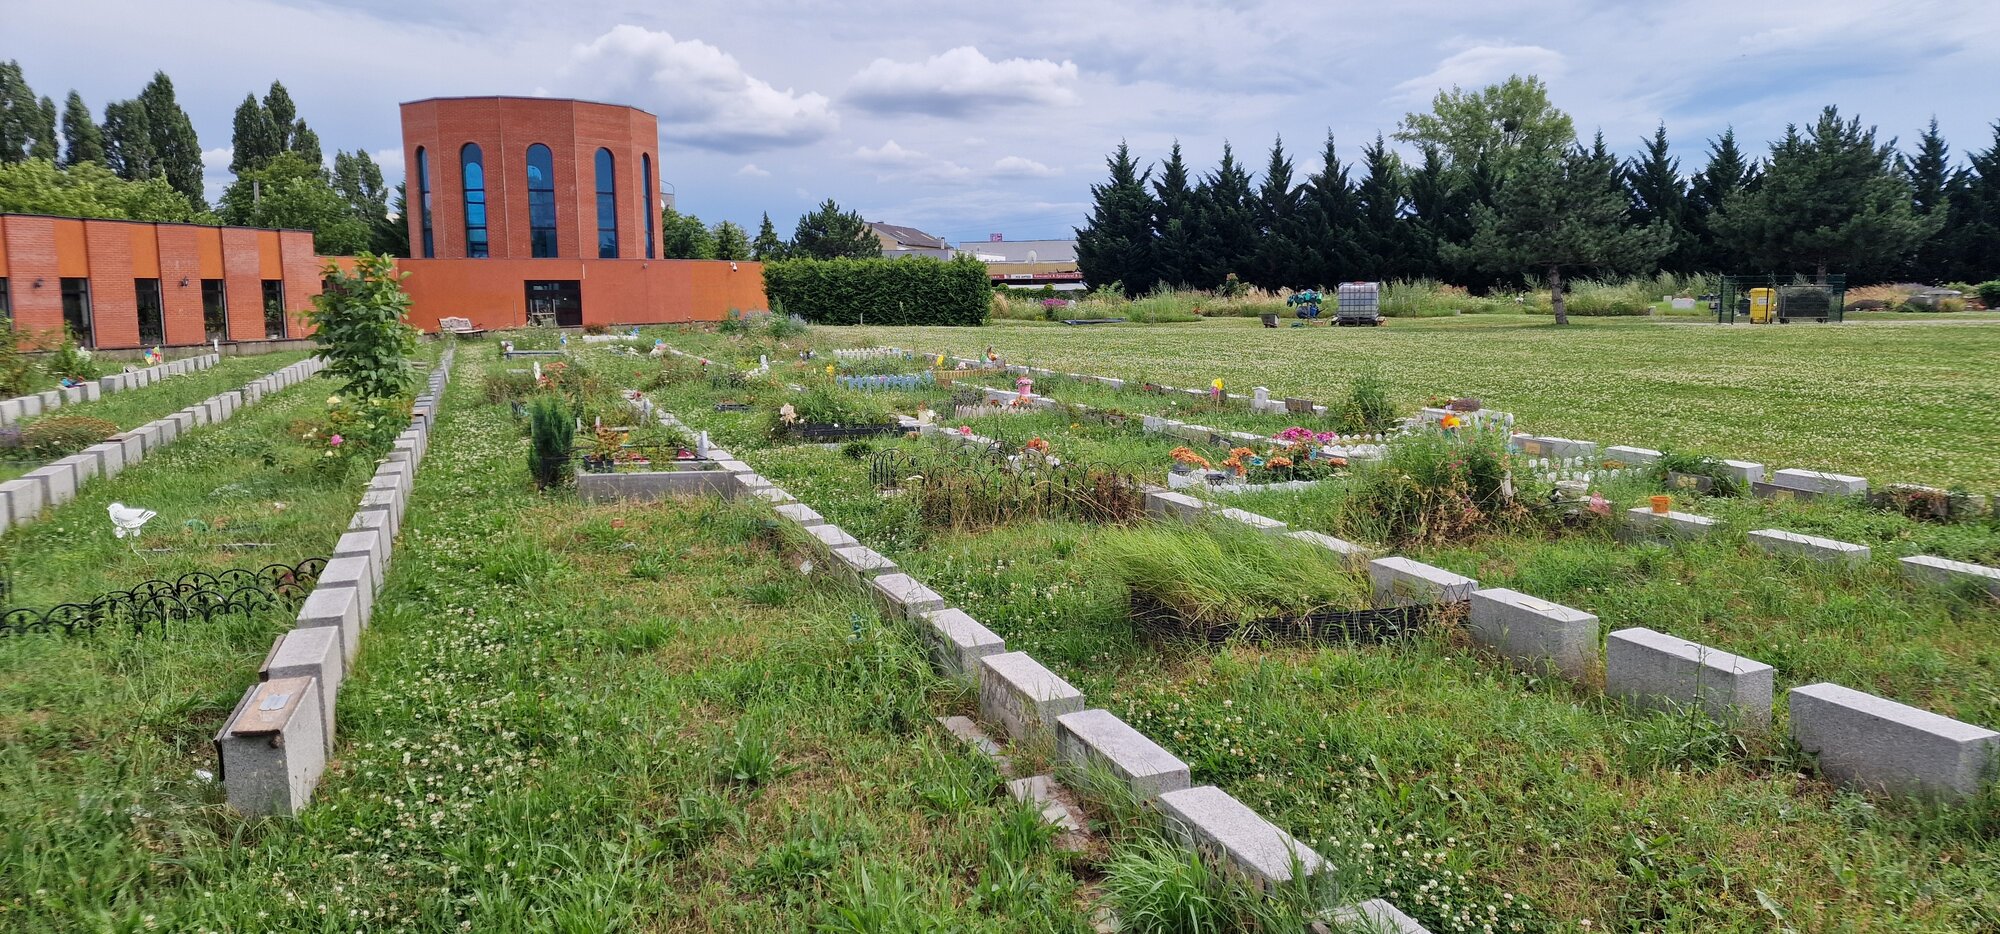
(826, 232)
(142, 161)
(1502, 187)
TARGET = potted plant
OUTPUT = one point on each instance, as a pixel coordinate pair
(1186, 461)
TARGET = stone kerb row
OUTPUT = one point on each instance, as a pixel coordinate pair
(33, 404)
(23, 500)
(1029, 701)
(275, 745)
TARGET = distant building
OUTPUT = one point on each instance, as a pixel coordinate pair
(1029, 264)
(908, 241)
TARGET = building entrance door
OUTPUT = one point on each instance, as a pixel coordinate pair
(557, 302)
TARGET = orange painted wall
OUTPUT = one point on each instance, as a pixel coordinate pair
(492, 293)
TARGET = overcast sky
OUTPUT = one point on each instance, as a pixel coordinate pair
(968, 119)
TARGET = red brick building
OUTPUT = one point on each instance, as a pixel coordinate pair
(521, 210)
(526, 209)
(124, 284)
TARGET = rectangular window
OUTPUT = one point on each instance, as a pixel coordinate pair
(76, 311)
(6, 306)
(274, 309)
(152, 315)
(214, 310)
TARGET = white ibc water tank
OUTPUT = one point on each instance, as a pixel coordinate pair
(1360, 297)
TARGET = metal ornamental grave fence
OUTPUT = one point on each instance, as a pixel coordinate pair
(199, 595)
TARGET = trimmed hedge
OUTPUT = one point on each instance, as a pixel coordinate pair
(913, 290)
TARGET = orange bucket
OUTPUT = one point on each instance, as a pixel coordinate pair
(1663, 504)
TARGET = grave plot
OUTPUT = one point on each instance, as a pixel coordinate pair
(108, 725)
(1462, 790)
(32, 441)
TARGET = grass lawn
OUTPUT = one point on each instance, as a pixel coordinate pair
(1892, 401)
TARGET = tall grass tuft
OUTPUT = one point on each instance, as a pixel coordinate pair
(1220, 575)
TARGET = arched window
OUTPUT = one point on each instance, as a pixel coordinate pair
(424, 199)
(471, 164)
(646, 186)
(541, 202)
(607, 205)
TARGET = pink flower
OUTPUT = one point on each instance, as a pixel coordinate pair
(965, 429)
(335, 440)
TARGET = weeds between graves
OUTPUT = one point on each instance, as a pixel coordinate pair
(538, 732)
(135, 407)
(1467, 794)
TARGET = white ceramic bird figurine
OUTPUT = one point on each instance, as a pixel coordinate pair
(128, 521)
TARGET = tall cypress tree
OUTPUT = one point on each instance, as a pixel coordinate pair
(128, 141)
(254, 139)
(1727, 176)
(1653, 182)
(1329, 219)
(1279, 260)
(1116, 243)
(1931, 180)
(174, 141)
(1441, 214)
(1174, 220)
(1831, 200)
(20, 114)
(306, 143)
(82, 140)
(1381, 236)
(43, 144)
(767, 247)
(1226, 237)
(284, 114)
(1972, 237)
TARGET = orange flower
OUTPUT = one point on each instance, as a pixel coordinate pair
(1038, 446)
(1279, 461)
(1235, 453)
(1451, 421)
(1187, 456)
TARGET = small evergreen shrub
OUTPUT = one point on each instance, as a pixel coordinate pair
(552, 431)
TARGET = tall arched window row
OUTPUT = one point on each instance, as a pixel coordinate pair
(541, 202)
(607, 205)
(472, 166)
(649, 216)
(424, 199)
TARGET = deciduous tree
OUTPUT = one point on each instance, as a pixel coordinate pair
(82, 140)
(1496, 125)
(175, 145)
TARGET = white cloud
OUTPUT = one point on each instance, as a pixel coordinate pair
(895, 162)
(1482, 64)
(960, 82)
(391, 161)
(1021, 167)
(703, 96)
(750, 169)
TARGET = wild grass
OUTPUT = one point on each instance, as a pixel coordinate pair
(1226, 573)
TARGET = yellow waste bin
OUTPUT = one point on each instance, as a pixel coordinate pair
(1763, 304)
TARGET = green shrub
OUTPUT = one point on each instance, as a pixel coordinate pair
(1435, 488)
(70, 361)
(504, 387)
(1367, 408)
(553, 431)
(361, 331)
(1989, 294)
(782, 327)
(17, 369)
(1721, 481)
(910, 291)
(63, 435)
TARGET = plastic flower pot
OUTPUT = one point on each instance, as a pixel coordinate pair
(1663, 504)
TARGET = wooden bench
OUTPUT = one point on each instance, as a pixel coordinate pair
(461, 327)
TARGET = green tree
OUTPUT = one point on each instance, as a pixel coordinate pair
(358, 180)
(1383, 246)
(254, 139)
(1830, 198)
(391, 236)
(827, 232)
(128, 141)
(1330, 221)
(82, 140)
(1657, 192)
(1495, 126)
(1440, 215)
(20, 114)
(43, 145)
(359, 324)
(1175, 215)
(1558, 212)
(174, 142)
(1226, 237)
(284, 115)
(88, 189)
(767, 247)
(684, 236)
(1116, 243)
(291, 192)
(1972, 233)
(1279, 259)
(1929, 175)
(730, 241)
(1727, 175)
(306, 143)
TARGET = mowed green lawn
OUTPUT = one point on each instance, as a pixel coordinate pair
(1894, 401)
